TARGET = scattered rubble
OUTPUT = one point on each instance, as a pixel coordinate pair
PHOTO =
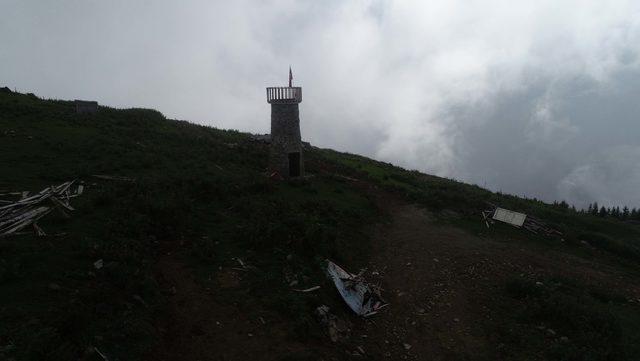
(16, 215)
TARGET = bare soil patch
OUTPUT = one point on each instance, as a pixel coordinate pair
(445, 286)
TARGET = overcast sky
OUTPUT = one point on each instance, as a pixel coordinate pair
(537, 98)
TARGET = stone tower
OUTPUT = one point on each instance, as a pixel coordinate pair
(285, 156)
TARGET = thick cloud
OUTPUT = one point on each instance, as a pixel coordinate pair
(535, 98)
(607, 176)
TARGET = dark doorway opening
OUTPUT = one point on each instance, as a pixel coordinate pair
(294, 164)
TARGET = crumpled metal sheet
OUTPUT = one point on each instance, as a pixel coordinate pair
(363, 299)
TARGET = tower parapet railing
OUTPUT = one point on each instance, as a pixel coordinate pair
(284, 94)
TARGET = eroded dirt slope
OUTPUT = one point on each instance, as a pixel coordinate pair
(444, 286)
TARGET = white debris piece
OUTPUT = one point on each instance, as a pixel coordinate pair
(363, 299)
(519, 220)
(113, 177)
(511, 217)
(104, 357)
(310, 289)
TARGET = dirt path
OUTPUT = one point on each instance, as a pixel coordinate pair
(442, 283)
(431, 289)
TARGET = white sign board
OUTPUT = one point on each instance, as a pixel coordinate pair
(511, 217)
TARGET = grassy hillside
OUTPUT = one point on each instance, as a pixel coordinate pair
(202, 195)
(617, 238)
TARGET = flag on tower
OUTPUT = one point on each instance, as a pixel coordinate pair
(290, 77)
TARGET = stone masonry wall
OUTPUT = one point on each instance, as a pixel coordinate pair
(285, 137)
(84, 106)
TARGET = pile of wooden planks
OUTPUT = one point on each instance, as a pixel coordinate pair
(518, 220)
(536, 226)
(17, 215)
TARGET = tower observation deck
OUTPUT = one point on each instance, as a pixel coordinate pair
(284, 95)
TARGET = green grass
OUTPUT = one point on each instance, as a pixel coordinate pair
(619, 239)
(207, 188)
(193, 183)
(569, 320)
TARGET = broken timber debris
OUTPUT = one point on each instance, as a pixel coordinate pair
(518, 220)
(310, 289)
(16, 215)
(363, 299)
(104, 357)
(113, 177)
